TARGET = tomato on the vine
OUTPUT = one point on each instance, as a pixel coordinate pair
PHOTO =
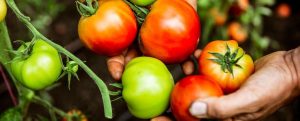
(75, 115)
(226, 63)
(40, 69)
(3, 10)
(142, 2)
(170, 31)
(110, 30)
(147, 85)
(188, 90)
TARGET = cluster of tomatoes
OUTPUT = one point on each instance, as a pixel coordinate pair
(168, 35)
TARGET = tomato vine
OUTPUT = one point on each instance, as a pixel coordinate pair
(5, 46)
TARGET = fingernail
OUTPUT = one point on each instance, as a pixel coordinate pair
(117, 75)
(199, 109)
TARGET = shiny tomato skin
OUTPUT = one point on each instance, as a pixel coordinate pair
(110, 30)
(228, 82)
(147, 86)
(41, 69)
(3, 10)
(170, 31)
(188, 90)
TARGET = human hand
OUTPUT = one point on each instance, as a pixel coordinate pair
(116, 64)
(275, 83)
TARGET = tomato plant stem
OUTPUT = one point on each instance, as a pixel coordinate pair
(11, 94)
(101, 85)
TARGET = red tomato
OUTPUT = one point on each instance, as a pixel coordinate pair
(188, 90)
(283, 10)
(110, 30)
(226, 63)
(170, 31)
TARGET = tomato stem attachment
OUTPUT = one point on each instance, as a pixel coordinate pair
(140, 12)
(99, 82)
(87, 10)
(228, 60)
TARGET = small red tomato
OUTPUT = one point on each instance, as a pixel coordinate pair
(188, 90)
(170, 31)
(110, 30)
(283, 10)
(226, 63)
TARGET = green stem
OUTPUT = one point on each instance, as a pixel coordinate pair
(46, 104)
(101, 85)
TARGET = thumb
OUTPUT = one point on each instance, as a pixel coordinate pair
(242, 101)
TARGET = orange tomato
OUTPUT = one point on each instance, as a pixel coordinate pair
(283, 10)
(226, 63)
(237, 32)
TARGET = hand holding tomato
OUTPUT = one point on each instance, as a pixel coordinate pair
(274, 83)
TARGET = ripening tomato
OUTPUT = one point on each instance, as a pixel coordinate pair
(188, 90)
(238, 7)
(3, 9)
(237, 32)
(226, 63)
(147, 85)
(170, 31)
(40, 69)
(110, 30)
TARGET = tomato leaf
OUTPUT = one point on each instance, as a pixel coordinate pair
(12, 114)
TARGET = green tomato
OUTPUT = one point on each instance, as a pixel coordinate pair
(40, 69)
(147, 86)
(142, 2)
(3, 9)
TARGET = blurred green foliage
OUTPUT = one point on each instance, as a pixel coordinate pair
(217, 15)
(42, 12)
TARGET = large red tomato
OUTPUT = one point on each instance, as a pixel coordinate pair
(170, 31)
(226, 63)
(188, 90)
(110, 30)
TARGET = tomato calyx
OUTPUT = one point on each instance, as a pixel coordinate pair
(71, 70)
(22, 54)
(228, 60)
(140, 12)
(118, 93)
(89, 9)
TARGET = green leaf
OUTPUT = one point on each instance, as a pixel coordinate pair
(218, 61)
(257, 20)
(114, 93)
(265, 2)
(117, 85)
(217, 55)
(12, 114)
(264, 11)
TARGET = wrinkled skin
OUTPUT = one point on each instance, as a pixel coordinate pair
(277, 72)
(110, 30)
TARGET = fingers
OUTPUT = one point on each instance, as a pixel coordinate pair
(243, 101)
(116, 66)
(188, 66)
(161, 118)
(193, 3)
(132, 53)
